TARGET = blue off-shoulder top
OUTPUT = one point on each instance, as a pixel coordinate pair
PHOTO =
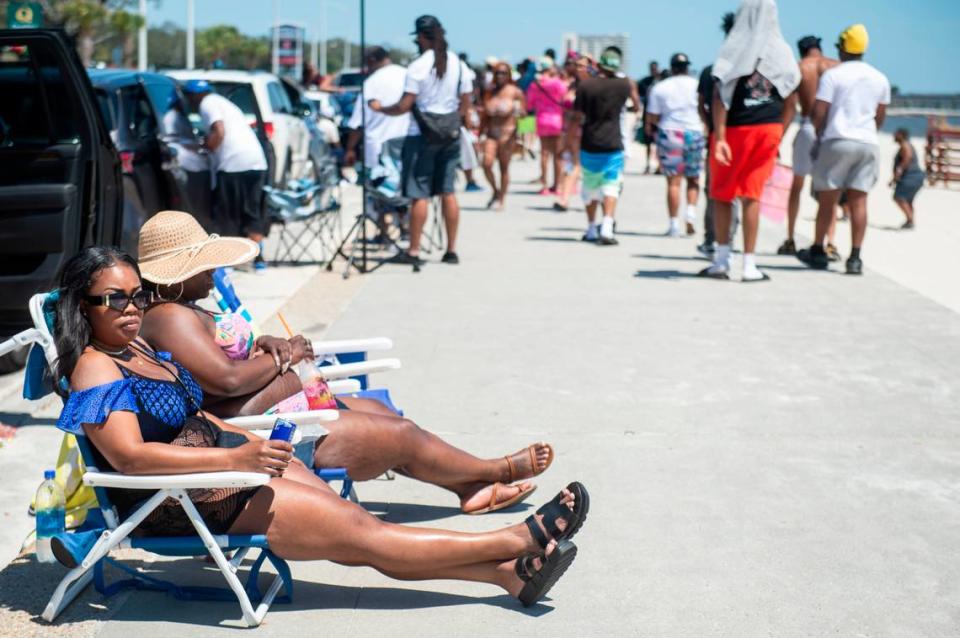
(161, 406)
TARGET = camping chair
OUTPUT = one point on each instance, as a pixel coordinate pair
(111, 532)
(338, 360)
(309, 215)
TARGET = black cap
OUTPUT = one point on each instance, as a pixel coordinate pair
(678, 60)
(425, 23)
(808, 42)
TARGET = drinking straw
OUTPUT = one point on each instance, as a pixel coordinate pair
(286, 326)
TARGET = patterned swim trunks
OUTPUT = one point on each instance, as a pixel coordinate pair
(602, 175)
(680, 152)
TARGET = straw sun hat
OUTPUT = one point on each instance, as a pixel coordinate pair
(173, 247)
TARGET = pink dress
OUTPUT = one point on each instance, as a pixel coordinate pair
(234, 335)
(545, 97)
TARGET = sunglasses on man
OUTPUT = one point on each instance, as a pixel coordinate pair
(120, 300)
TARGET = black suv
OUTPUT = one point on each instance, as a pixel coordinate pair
(60, 187)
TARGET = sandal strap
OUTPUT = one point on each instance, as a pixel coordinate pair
(524, 567)
(511, 468)
(493, 494)
(533, 461)
(536, 532)
(552, 512)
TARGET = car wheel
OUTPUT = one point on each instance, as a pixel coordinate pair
(13, 361)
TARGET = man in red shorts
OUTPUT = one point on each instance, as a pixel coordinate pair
(756, 77)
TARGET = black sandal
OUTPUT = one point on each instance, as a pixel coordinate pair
(552, 566)
(555, 510)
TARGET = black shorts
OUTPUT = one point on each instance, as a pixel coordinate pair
(428, 170)
(239, 203)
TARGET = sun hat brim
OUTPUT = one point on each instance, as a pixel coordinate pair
(216, 252)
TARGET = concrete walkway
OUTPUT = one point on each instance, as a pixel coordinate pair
(768, 459)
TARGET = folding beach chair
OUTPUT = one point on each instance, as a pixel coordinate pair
(104, 525)
(308, 213)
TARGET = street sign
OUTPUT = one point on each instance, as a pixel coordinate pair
(24, 15)
(288, 52)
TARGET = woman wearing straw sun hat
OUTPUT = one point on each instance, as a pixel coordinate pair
(220, 351)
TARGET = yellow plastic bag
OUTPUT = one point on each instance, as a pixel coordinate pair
(79, 497)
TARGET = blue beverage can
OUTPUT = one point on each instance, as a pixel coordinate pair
(283, 430)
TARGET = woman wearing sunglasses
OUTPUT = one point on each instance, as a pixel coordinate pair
(241, 375)
(140, 411)
(503, 102)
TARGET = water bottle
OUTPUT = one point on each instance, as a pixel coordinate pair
(50, 510)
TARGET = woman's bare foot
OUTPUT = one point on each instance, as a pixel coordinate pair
(523, 532)
(507, 572)
(489, 497)
(531, 461)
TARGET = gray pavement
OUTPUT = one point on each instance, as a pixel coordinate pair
(767, 459)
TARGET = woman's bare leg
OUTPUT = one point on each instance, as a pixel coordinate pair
(489, 157)
(370, 406)
(368, 445)
(505, 153)
(305, 523)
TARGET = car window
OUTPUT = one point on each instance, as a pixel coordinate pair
(139, 118)
(169, 109)
(108, 108)
(279, 101)
(239, 94)
(350, 79)
(37, 107)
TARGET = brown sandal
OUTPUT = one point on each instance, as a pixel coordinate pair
(494, 505)
(531, 450)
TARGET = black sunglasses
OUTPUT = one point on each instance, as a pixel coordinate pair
(120, 300)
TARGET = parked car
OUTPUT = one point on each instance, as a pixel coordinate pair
(60, 179)
(163, 164)
(262, 99)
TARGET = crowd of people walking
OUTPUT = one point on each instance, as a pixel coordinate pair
(719, 132)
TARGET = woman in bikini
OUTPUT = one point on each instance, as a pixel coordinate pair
(241, 375)
(139, 408)
(503, 101)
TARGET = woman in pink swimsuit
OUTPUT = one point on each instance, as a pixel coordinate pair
(545, 98)
(502, 102)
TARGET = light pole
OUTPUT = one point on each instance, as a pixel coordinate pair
(142, 38)
(191, 36)
(275, 65)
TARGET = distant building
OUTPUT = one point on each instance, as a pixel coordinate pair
(593, 45)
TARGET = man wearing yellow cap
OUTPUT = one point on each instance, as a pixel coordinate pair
(850, 108)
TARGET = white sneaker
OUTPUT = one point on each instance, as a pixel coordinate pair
(673, 231)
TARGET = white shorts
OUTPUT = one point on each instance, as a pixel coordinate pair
(802, 149)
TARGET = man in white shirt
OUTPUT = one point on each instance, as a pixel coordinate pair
(672, 110)
(850, 109)
(438, 85)
(237, 158)
(384, 83)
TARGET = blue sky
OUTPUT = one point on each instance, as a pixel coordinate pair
(916, 43)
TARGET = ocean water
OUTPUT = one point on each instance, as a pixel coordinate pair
(916, 124)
